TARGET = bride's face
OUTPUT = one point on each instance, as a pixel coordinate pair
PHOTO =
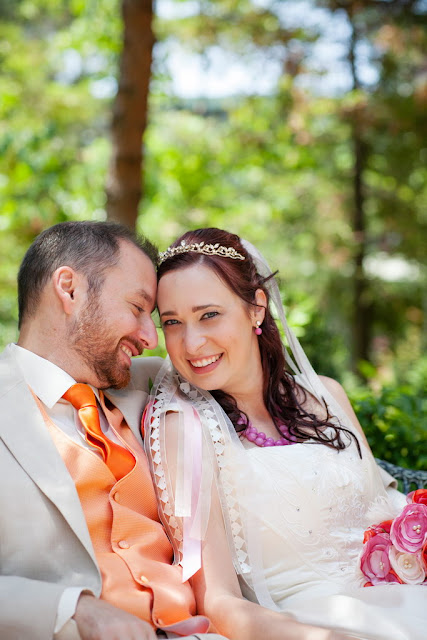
(209, 330)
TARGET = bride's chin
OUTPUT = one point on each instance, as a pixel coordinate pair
(196, 380)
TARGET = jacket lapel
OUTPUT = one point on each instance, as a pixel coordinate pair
(24, 432)
(132, 400)
(131, 403)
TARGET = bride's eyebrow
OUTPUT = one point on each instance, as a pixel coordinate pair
(167, 313)
(201, 307)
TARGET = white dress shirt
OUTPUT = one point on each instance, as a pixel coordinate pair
(49, 383)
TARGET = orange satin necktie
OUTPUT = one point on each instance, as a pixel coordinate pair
(118, 459)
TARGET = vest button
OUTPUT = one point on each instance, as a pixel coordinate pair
(144, 579)
(117, 496)
(123, 544)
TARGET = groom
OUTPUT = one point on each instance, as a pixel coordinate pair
(82, 552)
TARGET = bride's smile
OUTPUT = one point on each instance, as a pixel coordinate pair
(205, 364)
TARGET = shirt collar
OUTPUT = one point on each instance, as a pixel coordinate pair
(48, 381)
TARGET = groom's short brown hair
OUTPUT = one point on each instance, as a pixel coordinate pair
(86, 246)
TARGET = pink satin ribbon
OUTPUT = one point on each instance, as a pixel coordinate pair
(192, 546)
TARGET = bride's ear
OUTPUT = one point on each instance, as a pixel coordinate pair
(258, 312)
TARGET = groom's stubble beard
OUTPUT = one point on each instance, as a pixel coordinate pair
(93, 340)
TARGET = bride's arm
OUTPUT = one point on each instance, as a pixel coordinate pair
(219, 597)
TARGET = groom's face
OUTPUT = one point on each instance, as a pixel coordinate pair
(115, 324)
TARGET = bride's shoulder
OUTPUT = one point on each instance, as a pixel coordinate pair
(301, 387)
(340, 396)
(334, 388)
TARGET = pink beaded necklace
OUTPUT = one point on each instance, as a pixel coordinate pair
(260, 439)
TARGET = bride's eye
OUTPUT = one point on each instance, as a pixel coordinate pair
(209, 314)
(170, 323)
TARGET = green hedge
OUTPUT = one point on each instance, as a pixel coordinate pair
(395, 423)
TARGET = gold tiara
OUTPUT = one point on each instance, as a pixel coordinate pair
(201, 247)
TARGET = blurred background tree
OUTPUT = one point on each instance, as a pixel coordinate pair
(130, 106)
(315, 150)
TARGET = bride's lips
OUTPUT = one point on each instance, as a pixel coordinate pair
(201, 368)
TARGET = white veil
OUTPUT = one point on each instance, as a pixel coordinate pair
(208, 456)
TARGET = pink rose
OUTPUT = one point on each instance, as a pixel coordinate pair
(409, 530)
(374, 561)
(408, 566)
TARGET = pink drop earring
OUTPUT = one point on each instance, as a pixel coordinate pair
(258, 329)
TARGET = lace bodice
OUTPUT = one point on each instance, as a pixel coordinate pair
(316, 503)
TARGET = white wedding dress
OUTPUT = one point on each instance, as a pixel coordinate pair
(313, 505)
(295, 516)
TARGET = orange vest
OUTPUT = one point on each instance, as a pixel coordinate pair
(131, 546)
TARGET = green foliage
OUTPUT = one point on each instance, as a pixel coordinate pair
(277, 169)
(53, 144)
(395, 423)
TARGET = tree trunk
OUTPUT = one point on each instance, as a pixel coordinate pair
(361, 321)
(124, 180)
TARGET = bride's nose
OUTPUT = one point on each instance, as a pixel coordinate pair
(194, 340)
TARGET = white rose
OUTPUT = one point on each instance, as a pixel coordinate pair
(408, 566)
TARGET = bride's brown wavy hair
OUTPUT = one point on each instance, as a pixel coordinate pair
(280, 390)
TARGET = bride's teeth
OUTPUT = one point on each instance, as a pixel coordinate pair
(204, 362)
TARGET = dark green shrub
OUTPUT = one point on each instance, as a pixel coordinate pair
(395, 423)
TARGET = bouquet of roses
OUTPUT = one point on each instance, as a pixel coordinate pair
(396, 550)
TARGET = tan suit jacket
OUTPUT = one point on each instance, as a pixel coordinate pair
(45, 545)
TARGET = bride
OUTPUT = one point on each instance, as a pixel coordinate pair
(244, 437)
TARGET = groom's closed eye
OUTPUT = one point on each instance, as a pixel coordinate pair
(139, 309)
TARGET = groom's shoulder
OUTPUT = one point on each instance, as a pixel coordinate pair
(7, 361)
(143, 370)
